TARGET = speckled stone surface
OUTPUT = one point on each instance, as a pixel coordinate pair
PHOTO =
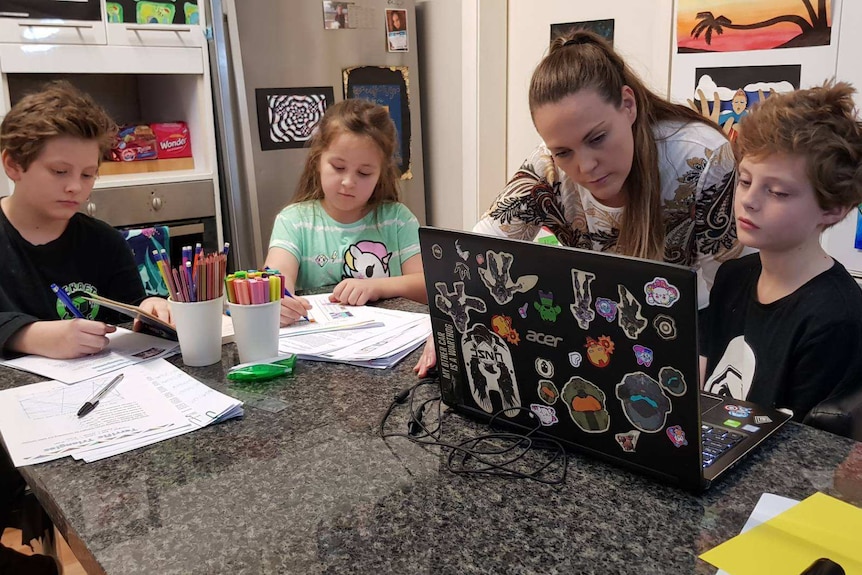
(314, 489)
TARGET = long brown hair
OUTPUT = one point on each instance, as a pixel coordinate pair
(583, 60)
(362, 118)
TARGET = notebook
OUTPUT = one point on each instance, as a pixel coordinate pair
(598, 350)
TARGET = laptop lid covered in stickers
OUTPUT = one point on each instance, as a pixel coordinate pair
(601, 348)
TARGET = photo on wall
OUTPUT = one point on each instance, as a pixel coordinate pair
(388, 87)
(739, 25)
(287, 117)
(604, 28)
(396, 31)
(725, 94)
(336, 15)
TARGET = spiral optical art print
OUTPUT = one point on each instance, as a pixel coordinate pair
(287, 117)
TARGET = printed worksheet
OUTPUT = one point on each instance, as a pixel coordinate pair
(327, 316)
(126, 348)
(39, 422)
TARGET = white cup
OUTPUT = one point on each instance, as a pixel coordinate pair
(255, 330)
(199, 330)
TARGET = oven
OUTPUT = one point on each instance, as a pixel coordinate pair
(186, 208)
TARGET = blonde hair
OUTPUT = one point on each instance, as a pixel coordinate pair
(583, 60)
(818, 124)
(58, 109)
(362, 118)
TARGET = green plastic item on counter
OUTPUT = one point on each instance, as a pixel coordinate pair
(263, 371)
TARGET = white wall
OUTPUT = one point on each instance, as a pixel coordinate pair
(642, 34)
(462, 64)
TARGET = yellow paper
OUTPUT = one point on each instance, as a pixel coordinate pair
(820, 526)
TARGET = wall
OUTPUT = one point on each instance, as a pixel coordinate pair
(463, 64)
(642, 32)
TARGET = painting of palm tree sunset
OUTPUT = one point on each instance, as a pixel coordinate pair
(735, 25)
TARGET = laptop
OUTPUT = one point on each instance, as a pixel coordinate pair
(599, 349)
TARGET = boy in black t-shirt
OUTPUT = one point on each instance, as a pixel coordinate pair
(52, 144)
(784, 325)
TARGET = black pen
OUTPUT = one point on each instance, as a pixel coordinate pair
(91, 404)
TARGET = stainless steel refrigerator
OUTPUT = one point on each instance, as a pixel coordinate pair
(273, 65)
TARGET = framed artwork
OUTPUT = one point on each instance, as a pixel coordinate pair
(723, 26)
(389, 87)
(604, 28)
(287, 117)
(396, 31)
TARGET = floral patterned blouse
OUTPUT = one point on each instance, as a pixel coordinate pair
(698, 176)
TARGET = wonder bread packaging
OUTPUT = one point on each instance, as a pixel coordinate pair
(172, 140)
(165, 140)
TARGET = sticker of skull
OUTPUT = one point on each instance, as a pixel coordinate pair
(490, 369)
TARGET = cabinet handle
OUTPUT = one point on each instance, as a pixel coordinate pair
(54, 25)
(91, 209)
(158, 28)
(14, 14)
(157, 203)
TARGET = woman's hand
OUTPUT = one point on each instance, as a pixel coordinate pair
(427, 360)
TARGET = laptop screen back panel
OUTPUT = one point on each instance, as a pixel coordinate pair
(601, 348)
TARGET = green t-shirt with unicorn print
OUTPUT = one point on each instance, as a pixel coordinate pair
(328, 251)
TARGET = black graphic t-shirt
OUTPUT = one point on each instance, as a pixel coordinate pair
(792, 353)
(90, 256)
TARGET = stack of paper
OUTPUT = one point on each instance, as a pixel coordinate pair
(126, 348)
(385, 340)
(327, 316)
(153, 402)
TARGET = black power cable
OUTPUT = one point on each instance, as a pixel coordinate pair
(494, 454)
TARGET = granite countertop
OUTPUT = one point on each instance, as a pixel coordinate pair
(314, 489)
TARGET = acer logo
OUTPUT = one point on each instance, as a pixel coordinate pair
(542, 338)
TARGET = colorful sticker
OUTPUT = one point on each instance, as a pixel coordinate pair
(586, 404)
(750, 428)
(544, 367)
(599, 351)
(628, 441)
(490, 369)
(607, 308)
(643, 355)
(738, 411)
(522, 311)
(672, 380)
(575, 358)
(731, 423)
(761, 419)
(437, 251)
(644, 403)
(502, 326)
(457, 304)
(545, 306)
(665, 326)
(676, 435)
(661, 293)
(629, 316)
(480, 259)
(583, 298)
(462, 271)
(547, 415)
(547, 391)
(463, 254)
(496, 277)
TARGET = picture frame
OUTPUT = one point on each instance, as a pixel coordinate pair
(287, 117)
(387, 86)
